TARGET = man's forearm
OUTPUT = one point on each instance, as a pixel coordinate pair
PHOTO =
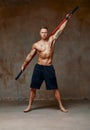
(27, 61)
(63, 25)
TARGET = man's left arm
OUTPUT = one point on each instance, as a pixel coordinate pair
(59, 31)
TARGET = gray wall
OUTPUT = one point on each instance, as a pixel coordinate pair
(20, 21)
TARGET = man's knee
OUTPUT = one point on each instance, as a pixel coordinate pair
(55, 90)
(33, 90)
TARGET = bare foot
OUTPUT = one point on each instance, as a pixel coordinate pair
(63, 109)
(27, 109)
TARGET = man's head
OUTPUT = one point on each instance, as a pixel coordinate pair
(44, 32)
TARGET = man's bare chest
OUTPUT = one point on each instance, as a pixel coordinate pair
(46, 47)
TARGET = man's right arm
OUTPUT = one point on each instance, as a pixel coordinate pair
(29, 57)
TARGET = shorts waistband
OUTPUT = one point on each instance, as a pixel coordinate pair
(43, 65)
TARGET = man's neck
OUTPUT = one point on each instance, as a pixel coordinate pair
(44, 40)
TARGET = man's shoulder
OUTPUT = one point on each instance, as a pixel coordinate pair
(36, 44)
(51, 38)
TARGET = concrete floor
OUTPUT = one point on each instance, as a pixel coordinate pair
(45, 116)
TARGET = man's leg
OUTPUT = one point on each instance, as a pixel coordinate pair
(31, 99)
(58, 98)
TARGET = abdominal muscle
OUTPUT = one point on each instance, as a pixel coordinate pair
(45, 59)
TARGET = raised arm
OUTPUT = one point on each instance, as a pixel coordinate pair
(56, 33)
(29, 57)
(59, 31)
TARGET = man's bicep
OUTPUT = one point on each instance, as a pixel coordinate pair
(57, 34)
(32, 52)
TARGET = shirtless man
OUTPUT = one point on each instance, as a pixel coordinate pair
(44, 69)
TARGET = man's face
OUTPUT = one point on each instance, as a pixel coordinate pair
(43, 33)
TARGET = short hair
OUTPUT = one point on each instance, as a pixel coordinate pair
(44, 27)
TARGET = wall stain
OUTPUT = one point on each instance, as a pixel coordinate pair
(6, 72)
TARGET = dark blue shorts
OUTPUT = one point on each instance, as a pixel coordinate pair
(44, 73)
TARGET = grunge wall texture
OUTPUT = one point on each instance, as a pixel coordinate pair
(20, 21)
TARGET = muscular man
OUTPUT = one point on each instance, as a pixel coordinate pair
(44, 69)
